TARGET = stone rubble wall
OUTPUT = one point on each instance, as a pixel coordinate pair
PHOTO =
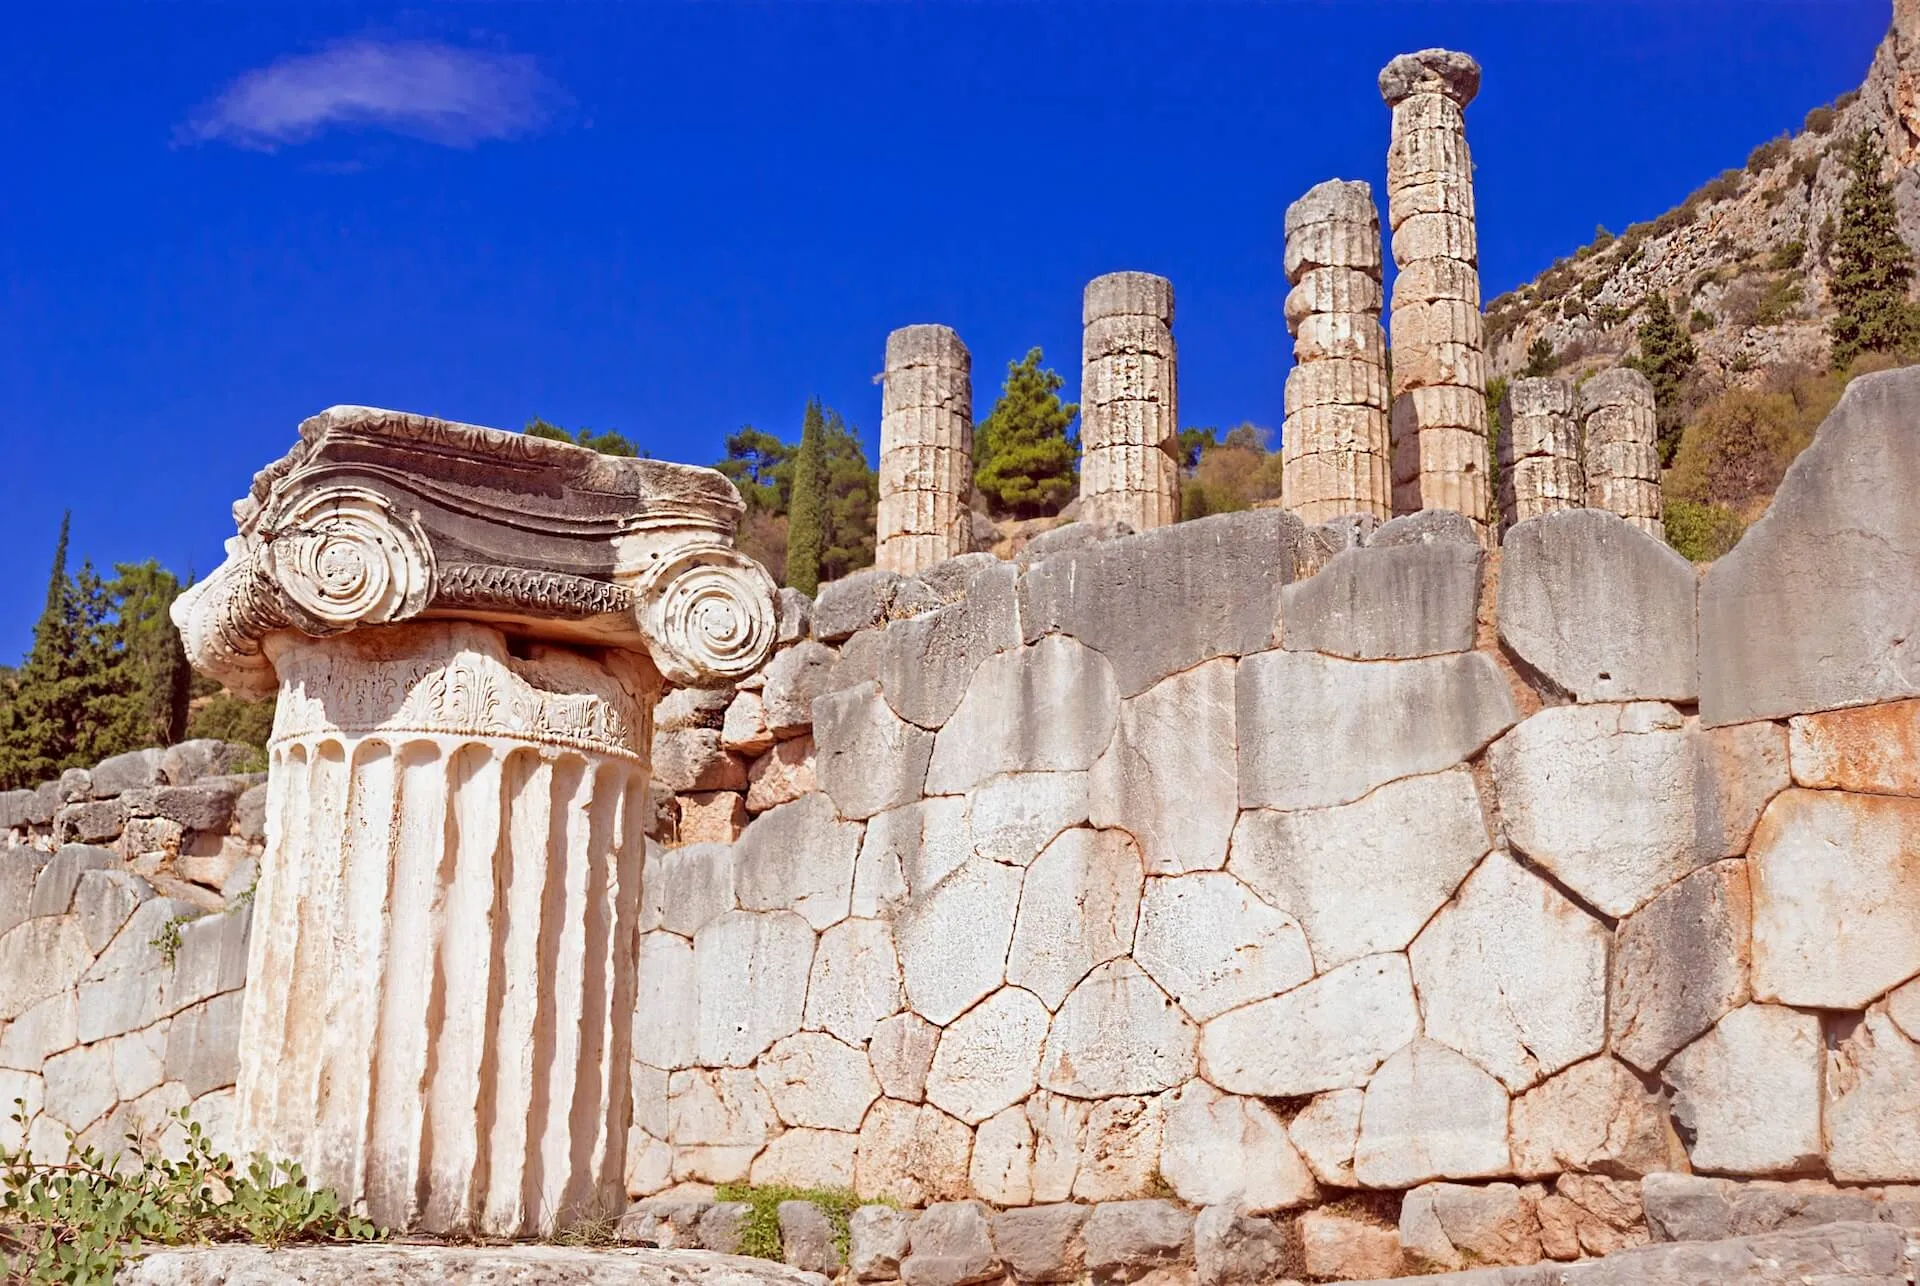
(125, 909)
(1295, 869)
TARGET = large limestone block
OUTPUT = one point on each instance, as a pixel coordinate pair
(1046, 708)
(902, 1052)
(50, 1027)
(1119, 1150)
(1394, 603)
(953, 939)
(1344, 1247)
(1430, 1114)
(1833, 556)
(1873, 1105)
(925, 664)
(855, 981)
(1001, 1170)
(1325, 1131)
(203, 1045)
(989, 1057)
(912, 1155)
(867, 757)
(80, 1086)
(818, 1082)
(1599, 609)
(39, 958)
(750, 979)
(1680, 963)
(781, 775)
(666, 1012)
(1745, 767)
(1118, 1033)
(1748, 1092)
(1836, 898)
(907, 851)
(684, 888)
(1595, 1116)
(1603, 797)
(1332, 1033)
(1214, 946)
(1013, 818)
(1164, 601)
(444, 1265)
(806, 1159)
(1408, 844)
(798, 857)
(1078, 907)
(19, 868)
(1874, 750)
(726, 1107)
(1513, 975)
(103, 901)
(1168, 779)
(1317, 731)
(59, 879)
(794, 678)
(1219, 1149)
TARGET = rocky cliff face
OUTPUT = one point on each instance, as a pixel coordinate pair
(1744, 260)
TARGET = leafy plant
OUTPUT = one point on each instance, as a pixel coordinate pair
(74, 1222)
(167, 941)
(1701, 532)
(760, 1234)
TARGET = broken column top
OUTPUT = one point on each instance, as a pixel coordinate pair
(1430, 71)
(1345, 200)
(381, 516)
(1543, 395)
(925, 345)
(1621, 384)
(1128, 294)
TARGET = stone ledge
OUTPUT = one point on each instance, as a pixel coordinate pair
(433, 1265)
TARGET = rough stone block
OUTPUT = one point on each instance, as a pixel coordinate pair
(817, 1082)
(1168, 777)
(911, 1154)
(1078, 906)
(1126, 1240)
(951, 1244)
(1331, 1033)
(795, 676)
(1042, 1243)
(1748, 1092)
(806, 1238)
(1873, 1104)
(750, 974)
(1391, 603)
(781, 775)
(868, 758)
(97, 822)
(1213, 946)
(130, 771)
(41, 957)
(878, 1240)
(1680, 963)
(711, 817)
(989, 1058)
(953, 940)
(1595, 1116)
(693, 759)
(1232, 1249)
(1430, 1114)
(924, 665)
(250, 814)
(865, 600)
(1340, 1247)
(1449, 1225)
(1049, 707)
(798, 857)
(1873, 749)
(1117, 1033)
(1221, 1150)
(203, 1044)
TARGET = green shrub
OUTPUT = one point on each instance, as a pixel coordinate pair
(760, 1235)
(1820, 120)
(1769, 154)
(1701, 320)
(1701, 532)
(1787, 257)
(1780, 303)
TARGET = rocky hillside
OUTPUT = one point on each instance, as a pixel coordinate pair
(1743, 260)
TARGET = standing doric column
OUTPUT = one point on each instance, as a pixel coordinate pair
(1335, 453)
(926, 450)
(1620, 443)
(1129, 403)
(1539, 451)
(1439, 361)
(467, 630)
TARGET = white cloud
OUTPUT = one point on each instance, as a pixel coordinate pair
(440, 93)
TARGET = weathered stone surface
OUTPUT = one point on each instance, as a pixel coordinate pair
(1232, 1249)
(203, 1044)
(868, 758)
(798, 857)
(1213, 946)
(1126, 1240)
(1594, 1116)
(1041, 1243)
(1903, 1006)
(79, 1086)
(1748, 1092)
(877, 1242)
(719, 1108)
(855, 981)
(39, 958)
(667, 1006)
(1430, 1114)
(1604, 798)
(817, 1081)
(989, 1057)
(781, 775)
(722, 1227)
(1680, 963)
(1833, 555)
(1001, 1170)
(1049, 707)
(49, 1028)
(1449, 1225)
(1332, 1033)
(1119, 1149)
(693, 759)
(1513, 975)
(691, 708)
(911, 1154)
(1162, 602)
(953, 940)
(1317, 731)
(1691, 1207)
(250, 814)
(924, 665)
(1394, 603)
(806, 1159)
(902, 1053)
(1325, 1131)
(1873, 1105)
(1012, 818)
(806, 1238)
(951, 1245)
(1836, 901)
(1599, 609)
(1077, 910)
(683, 889)
(1168, 779)
(207, 806)
(1745, 767)
(795, 676)
(415, 1265)
(744, 729)
(751, 980)
(130, 771)
(102, 902)
(19, 868)
(1340, 1247)
(1118, 1033)
(1224, 1150)
(1409, 844)
(54, 889)
(663, 1222)
(1872, 750)
(866, 599)
(908, 851)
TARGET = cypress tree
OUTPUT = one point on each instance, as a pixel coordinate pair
(157, 676)
(1024, 457)
(1872, 267)
(807, 508)
(1666, 358)
(64, 690)
(851, 491)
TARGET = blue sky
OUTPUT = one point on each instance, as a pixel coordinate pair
(677, 218)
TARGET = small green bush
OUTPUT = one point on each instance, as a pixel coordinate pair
(1769, 154)
(1820, 120)
(1701, 532)
(1701, 320)
(760, 1237)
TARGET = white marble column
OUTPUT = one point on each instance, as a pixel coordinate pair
(1129, 402)
(1539, 451)
(926, 450)
(1620, 441)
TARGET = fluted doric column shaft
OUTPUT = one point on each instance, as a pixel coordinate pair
(1129, 403)
(926, 450)
(1620, 443)
(1539, 451)
(468, 631)
(1336, 457)
(1439, 360)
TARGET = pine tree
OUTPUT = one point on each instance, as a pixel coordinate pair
(807, 510)
(612, 442)
(761, 467)
(1872, 267)
(1024, 455)
(1666, 358)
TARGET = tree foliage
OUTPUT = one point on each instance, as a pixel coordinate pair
(1025, 458)
(831, 502)
(1872, 268)
(611, 442)
(1540, 359)
(1666, 358)
(760, 466)
(1228, 473)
